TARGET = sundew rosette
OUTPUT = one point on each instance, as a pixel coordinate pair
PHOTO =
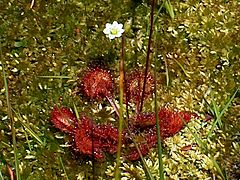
(97, 83)
(95, 140)
(144, 131)
(134, 87)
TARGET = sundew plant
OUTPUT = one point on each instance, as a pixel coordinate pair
(128, 89)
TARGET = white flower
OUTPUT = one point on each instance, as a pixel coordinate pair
(113, 30)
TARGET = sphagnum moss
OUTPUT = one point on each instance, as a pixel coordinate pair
(60, 38)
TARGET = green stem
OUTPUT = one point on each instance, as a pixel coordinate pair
(159, 145)
(63, 167)
(120, 128)
(10, 115)
(159, 10)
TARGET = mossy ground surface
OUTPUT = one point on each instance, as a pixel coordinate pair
(199, 50)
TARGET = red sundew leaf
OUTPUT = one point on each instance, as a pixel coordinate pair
(86, 144)
(171, 122)
(94, 140)
(106, 131)
(144, 119)
(150, 140)
(64, 119)
(97, 83)
(134, 155)
(134, 86)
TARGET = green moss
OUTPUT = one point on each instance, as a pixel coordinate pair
(63, 38)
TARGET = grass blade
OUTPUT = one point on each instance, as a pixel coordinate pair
(63, 167)
(169, 8)
(1, 176)
(205, 150)
(32, 133)
(216, 113)
(141, 156)
(159, 145)
(184, 71)
(10, 115)
(55, 77)
(217, 167)
(228, 103)
(29, 145)
(29, 130)
(220, 114)
(209, 106)
(158, 12)
(76, 111)
(201, 144)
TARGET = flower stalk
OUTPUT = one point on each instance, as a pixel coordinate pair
(148, 53)
(121, 119)
(159, 143)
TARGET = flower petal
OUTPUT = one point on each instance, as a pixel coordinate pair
(115, 23)
(106, 31)
(119, 26)
(108, 26)
(111, 36)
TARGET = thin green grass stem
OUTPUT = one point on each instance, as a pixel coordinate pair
(158, 12)
(10, 115)
(169, 8)
(205, 150)
(29, 130)
(113, 104)
(140, 154)
(159, 145)
(228, 103)
(146, 169)
(63, 167)
(180, 65)
(28, 142)
(5, 144)
(55, 77)
(1, 176)
(219, 170)
(216, 111)
(76, 111)
(120, 126)
(121, 122)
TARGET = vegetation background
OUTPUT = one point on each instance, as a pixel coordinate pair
(47, 45)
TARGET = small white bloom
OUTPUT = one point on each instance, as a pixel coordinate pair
(113, 30)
